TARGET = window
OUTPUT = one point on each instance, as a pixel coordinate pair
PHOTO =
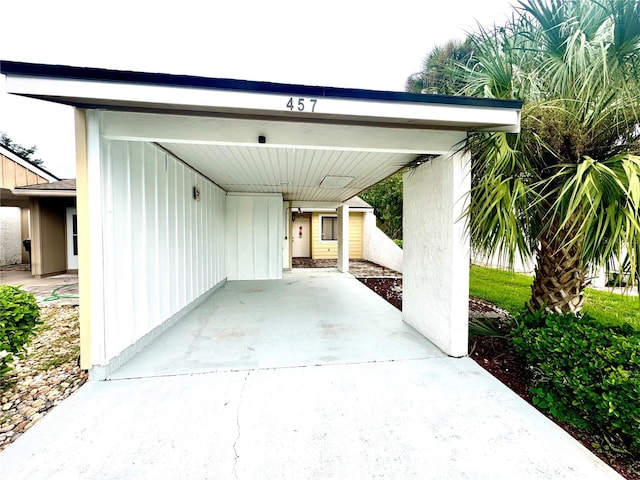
(329, 228)
(75, 233)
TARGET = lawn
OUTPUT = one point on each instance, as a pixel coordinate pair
(510, 291)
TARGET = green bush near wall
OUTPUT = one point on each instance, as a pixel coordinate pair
(19, 317)
(585, 373)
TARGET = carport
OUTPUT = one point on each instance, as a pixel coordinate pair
(185, 183)
(225, 364)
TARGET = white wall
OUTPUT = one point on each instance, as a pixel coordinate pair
(377, 247)
(343, 237)
(162, 249)
(254, 239)
(436, 252)
(10, 241)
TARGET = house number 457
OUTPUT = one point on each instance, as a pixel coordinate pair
(302, 104)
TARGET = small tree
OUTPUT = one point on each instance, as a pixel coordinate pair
(386, 200)
(25, 153)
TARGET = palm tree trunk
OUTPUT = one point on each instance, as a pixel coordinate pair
(559, 281)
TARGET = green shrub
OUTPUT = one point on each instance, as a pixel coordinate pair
(585, 373)
(19, 316)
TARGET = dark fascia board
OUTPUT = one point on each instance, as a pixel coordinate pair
(249, 86)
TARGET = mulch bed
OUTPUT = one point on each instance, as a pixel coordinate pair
(388, 288)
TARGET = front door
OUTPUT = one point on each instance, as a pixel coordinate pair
(72, 239)
(301, 236)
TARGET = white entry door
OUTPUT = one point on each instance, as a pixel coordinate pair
(72, 239)
(300, 237)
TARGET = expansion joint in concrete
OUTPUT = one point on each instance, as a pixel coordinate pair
(235, 443)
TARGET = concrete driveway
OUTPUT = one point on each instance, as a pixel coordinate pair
(311, 377)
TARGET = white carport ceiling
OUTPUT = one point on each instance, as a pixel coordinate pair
(294, 172)
(278, 156)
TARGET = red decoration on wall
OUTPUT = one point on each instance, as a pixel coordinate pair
(300, 231)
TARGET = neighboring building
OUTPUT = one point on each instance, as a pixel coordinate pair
(314, 234)
(15, 171)
(53, 225)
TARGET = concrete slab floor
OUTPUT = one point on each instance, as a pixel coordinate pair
(351, 393)
(311, 317)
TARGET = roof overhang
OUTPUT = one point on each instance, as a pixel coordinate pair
(263, 137)
(32, 192)
(8, 199)
(167, 93)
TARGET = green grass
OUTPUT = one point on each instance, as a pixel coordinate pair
(505, 289)
(612, 308)
(511, 291)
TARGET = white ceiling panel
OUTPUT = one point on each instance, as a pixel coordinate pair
(297, 173)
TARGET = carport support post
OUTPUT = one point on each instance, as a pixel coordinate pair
(436, 251)
(343, 238)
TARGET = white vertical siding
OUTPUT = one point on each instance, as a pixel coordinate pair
(162, 248)
(254, 240)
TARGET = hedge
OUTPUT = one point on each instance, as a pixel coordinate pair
(19, 317)
(584, 373)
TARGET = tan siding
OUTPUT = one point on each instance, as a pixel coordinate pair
(13, 175)
(21, 177)
(32, 178)
(48, 235)
(9, 173)
(355, 234)
(326, 250)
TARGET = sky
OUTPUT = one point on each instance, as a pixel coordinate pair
(337, 43)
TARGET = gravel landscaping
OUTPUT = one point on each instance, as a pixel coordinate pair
(47, 375)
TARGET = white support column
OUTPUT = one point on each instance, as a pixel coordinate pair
(436, 252)
(343, 238)
(90, 249)
(286, 236)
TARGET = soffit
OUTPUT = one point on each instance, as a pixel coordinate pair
(295, 172)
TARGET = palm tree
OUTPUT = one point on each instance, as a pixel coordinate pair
(438, 75)
(567, 187)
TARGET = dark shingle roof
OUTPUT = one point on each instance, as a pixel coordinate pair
(67, 184)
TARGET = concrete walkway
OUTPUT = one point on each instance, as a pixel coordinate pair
(336, 387)
(59, 289)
